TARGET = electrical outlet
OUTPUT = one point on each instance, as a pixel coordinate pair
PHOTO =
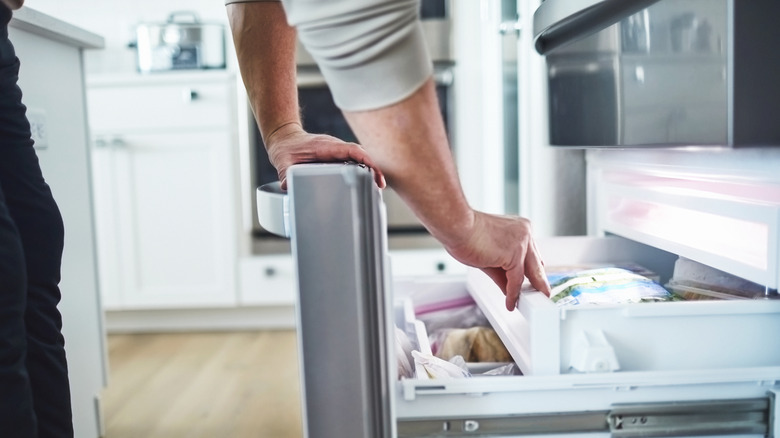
(38, 127)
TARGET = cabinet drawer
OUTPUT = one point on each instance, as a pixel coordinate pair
(160, 106)
(423, 262)
(268, 280)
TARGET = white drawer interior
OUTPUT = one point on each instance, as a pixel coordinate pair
(445, 304)
(546, 339)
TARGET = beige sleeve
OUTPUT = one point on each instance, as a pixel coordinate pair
(372, 53)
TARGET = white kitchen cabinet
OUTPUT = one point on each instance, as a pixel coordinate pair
(164, 185)
(425, 262)
(268, 280)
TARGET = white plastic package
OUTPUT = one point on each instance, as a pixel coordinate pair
(403, 352)
(439, 368)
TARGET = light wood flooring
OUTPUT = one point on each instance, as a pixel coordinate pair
(226, 385)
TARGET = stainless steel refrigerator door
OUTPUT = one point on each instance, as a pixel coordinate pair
(337, 227)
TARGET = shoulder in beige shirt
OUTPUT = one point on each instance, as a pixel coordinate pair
(372, 53)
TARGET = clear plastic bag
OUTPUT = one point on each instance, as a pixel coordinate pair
(510, 369)
(438, 368)
(463, 316)
(403, 353)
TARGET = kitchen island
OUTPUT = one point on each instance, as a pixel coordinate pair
(52, 81)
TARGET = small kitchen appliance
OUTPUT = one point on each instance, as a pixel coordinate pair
(181, 42)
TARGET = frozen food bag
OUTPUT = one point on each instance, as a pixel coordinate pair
(608, 285)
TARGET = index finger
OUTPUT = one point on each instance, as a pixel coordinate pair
(534, 270)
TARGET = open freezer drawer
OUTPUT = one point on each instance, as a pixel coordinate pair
(349, 383)
(685, 368)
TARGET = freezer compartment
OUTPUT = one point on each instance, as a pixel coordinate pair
(690, 368)
(440, 317)
(547, 339)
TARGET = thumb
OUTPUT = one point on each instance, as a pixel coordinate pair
(283, 178)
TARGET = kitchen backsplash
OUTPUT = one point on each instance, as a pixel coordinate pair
(115, 20)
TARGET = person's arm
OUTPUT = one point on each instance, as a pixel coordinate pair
(265, 47)
(409, 142)
(373, 56)
(376, 65)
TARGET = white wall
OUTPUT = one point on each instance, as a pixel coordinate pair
(115, 20)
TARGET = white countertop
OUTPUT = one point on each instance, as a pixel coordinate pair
(32, 21)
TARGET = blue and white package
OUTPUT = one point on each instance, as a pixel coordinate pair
(608, 285)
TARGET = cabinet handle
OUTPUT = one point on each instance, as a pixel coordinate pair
(118, 142)
(270, 271)
(113, 142)
(510, 27)
(188, 95)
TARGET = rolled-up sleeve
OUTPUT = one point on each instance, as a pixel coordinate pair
(372, 53)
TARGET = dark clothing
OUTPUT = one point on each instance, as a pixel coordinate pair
(34, 389)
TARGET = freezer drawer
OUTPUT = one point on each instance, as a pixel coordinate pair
(346, 315)
(738, 401)
(546, 339)
(689, 358)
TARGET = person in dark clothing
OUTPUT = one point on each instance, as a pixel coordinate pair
(34, 387)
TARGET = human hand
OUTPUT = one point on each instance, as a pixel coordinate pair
(292, 145)
(503, 248)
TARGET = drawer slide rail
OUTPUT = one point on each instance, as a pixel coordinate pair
(669, 419)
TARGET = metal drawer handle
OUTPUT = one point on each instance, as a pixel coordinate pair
(557, 22)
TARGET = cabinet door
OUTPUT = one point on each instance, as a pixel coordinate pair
(173, 211)
(268, 280)
(106, 212)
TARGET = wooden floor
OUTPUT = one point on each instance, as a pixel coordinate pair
(242, 384)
